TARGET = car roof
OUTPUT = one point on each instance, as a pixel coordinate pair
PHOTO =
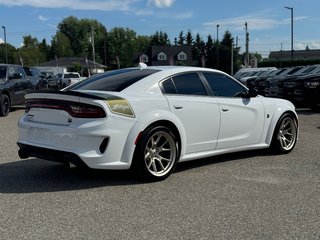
(150, 83)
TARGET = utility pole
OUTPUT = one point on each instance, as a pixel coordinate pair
(231, 58)
(291, 9)
(105, 49)
(218, 46)
(93, 50)
(5, 43)
(246, 61)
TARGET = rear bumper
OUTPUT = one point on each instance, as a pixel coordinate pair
(97, 144)
(50, 154)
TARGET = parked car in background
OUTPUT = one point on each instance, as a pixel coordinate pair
(295, 84)
(36, 78)
(250, 81)
(62, 80)
(261, 82)
(14, 85)
(148, 119)
(246, 72)
(312, 91)
(274, 84)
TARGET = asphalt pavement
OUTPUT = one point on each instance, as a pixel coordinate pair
(248, 195)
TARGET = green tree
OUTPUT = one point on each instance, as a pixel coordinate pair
(181, 39)
(45, 49)
(30, 52)
(122, 46)
(160, 39)
(211, 53)
(189, 38)
(143, 43)
(79, 32)
(199, 48)
(11, 50)
(60, 46)
(225, 53)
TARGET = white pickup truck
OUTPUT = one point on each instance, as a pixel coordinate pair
(65, 79)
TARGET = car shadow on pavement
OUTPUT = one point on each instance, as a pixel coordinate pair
(35, 175)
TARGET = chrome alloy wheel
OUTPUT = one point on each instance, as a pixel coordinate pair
(160, 153)
(287, 133)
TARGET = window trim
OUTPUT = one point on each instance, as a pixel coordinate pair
(204, 83)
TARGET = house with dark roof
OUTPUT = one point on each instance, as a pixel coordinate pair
(69, 63)
(167, 55)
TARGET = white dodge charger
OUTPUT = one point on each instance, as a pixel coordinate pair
(150, 118)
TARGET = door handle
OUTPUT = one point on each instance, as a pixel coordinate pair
(225, 109)
(177, 107)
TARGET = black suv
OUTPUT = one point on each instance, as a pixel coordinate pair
(310, 92)
(14, 85)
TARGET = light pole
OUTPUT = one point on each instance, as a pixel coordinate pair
(291, 9)
(93, 49)
(247, 58)
(5, 43)
(218, 46)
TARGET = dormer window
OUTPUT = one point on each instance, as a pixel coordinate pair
(162, 56)
(144, 58)
(182, 56)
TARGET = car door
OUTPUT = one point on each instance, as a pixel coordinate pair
(15, 81)
(198, 112)
(242, 118)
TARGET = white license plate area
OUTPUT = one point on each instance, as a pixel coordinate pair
(50, 116)
(39, 135)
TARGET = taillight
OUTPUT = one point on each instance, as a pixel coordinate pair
(75, 109)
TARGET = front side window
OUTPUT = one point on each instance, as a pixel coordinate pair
(189, 84)
(223, 86)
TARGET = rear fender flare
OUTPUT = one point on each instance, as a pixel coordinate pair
(144, 122)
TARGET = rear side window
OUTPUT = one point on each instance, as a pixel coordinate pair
(223, 86)
(115, 81)
(189, 84)
(168, 87)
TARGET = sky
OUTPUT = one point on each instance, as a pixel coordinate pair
(269, 22)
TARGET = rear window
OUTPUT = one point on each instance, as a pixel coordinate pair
(115, 81)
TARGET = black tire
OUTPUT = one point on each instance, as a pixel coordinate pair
(156, 154)
(5, 105)
(285, 134)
